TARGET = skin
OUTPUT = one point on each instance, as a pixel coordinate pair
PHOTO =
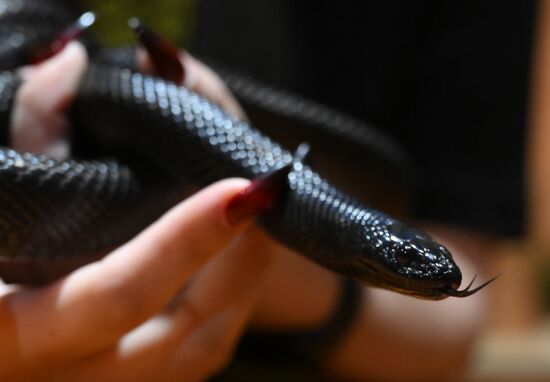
(170, 304)
(184, 289)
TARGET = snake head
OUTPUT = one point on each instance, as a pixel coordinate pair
(426, 264)
(407, 260)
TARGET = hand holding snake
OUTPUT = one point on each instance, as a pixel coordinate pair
(131, 334)
(51, 141)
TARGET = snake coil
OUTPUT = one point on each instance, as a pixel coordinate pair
(138, 140)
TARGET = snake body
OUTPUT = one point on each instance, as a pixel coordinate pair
(161, 137)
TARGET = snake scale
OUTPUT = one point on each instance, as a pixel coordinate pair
(138, 140)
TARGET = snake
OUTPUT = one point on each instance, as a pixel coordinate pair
(138, 140)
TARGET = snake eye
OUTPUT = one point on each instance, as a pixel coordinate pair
(403, 260)
(409, 256)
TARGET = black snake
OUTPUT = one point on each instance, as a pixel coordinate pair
(164, 137)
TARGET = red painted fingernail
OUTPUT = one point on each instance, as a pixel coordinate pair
(164, 55)
(72, 32)
(259, 196)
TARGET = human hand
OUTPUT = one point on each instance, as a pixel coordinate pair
(168, 305)
(201, 79)
(39, 123)
(127, 317)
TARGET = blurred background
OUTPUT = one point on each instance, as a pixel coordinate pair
(463, 86)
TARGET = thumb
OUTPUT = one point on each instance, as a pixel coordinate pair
(38, 121)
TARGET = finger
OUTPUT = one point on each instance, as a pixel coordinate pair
(206, 352)
(11, 363)
(210, 348)
(38, 122)
(218, 305)
(202, 80)
(94, 306)
(226, 280)
(197, 335)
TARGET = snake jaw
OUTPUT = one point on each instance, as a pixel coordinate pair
(467, 291)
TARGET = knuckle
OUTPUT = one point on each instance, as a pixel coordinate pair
(193, 317)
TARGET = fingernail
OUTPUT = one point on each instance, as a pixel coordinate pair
(258, 197)
(164, 55)
(72, 32)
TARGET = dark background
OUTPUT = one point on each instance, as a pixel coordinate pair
(447, 79)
